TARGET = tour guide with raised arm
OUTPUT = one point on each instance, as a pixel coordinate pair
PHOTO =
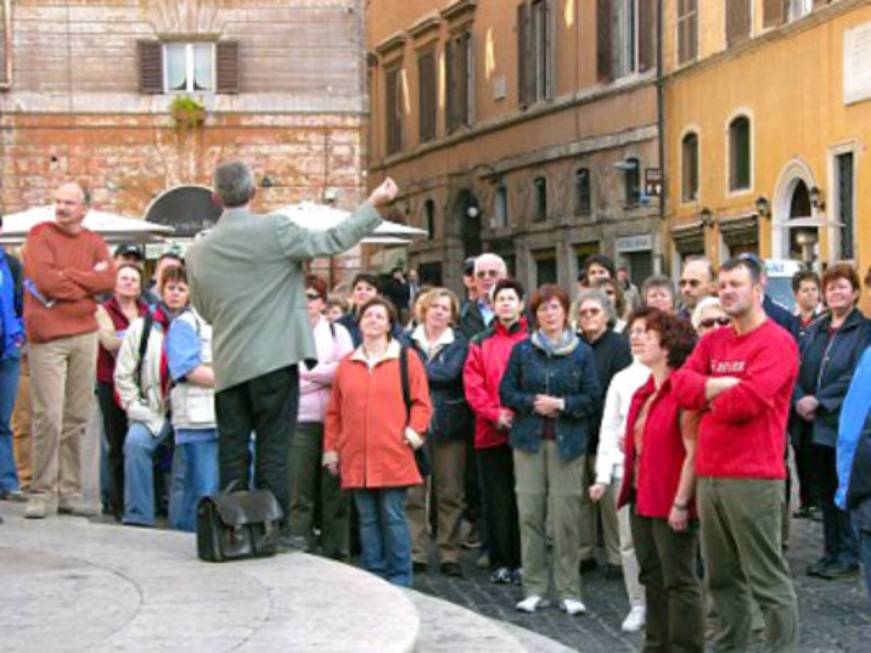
(247, 281)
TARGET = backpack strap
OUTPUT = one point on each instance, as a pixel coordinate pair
(148, 323)
(403, 376)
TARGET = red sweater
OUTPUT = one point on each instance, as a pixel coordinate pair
(61, 265)
(485, 365)
(742, 433)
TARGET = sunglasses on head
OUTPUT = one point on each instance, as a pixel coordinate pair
(312, 296)
(709, 322)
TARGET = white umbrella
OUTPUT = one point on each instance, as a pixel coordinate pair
(113, 227)
(319, 217)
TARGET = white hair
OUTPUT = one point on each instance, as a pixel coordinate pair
(489, 257)
(704, 304)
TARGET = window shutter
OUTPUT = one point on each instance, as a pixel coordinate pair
(692, 30)
(603, 40)
(549, 50)
(737, 21)
(646, 35)
(227, 69)
(522, 58)
(773, 13)
(150, 67)
(450, 85)
(426, 96)
(469, 41)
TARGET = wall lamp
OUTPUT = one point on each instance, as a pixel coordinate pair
(816, 197)
(763, 207)
(706, 217)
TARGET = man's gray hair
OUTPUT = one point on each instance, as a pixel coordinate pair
(234, 183)
(601, 298)
(489, 257)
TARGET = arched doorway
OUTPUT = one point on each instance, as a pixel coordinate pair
(799, 207)
(467, 215)
(791, 201)
(189, 209)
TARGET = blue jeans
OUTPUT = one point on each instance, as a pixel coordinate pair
(139, 448)
(8, 389)
(385, 538)
(201, 479)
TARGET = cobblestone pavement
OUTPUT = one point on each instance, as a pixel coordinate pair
(835, 616)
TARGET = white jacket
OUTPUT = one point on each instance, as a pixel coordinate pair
(609, 457)
(141, 399)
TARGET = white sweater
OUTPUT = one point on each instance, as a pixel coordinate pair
(609, 457)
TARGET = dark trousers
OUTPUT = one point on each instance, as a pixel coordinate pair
(838, 535)
(802, 444)
(115, 426)
(266, 405)
(865, 556)
(500, 506)
(672, 590)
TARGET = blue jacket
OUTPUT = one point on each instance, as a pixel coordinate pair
(451, 418)
(854, 447)
(827, 365)
(569, 374)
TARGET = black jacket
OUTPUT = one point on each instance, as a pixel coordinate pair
(781, 316)
(471, 319)
(827, 366)
(612, 354)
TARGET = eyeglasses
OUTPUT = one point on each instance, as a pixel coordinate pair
(487, 273)
(312, 296)
(589, 312)
(709, 322)
(683, 283)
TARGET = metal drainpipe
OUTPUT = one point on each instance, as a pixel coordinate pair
(6, 84)
(660, 115)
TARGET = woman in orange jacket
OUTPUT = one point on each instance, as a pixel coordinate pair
(371, 435)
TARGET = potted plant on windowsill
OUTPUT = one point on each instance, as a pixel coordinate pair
(187, 112)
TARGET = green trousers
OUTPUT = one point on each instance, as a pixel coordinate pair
(741, 545)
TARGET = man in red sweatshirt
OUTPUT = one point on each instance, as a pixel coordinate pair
(741, 377)
(65, 267)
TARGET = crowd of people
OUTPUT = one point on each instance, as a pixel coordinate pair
(655, 420)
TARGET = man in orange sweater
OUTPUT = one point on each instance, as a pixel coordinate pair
(65, 267)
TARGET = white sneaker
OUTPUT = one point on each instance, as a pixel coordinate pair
(572, 607)
(634, 621)
(532, 603)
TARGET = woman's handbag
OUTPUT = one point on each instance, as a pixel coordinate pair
(236, 525)
(421, 454)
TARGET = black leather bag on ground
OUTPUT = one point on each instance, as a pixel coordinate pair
(236, 525)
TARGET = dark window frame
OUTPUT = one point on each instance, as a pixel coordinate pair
(740, 154)
(582, 183)
(689, 167)
(539, 199)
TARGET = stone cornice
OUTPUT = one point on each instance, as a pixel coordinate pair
(390, 44)
(427, 23)
(458, 9)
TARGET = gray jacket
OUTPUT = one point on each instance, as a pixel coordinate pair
(246, 280)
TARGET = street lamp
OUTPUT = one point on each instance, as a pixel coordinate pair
(763, 207)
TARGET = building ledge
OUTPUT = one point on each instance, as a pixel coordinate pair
(427, 23)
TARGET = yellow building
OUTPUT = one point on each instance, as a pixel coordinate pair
(767, 121)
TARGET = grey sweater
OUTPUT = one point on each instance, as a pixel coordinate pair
(246, 280)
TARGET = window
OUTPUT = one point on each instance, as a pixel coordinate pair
(799, 9)
(426, 79)
(545, 266)
(542, 38)
(625, 37)
(188, 67)
(690, 167)
(393, 110)
(460, 72)
(624, 46)
(583, 204)
(632, 181)
(540, 198)
(687, 31)
(429, 210)
(535, 51)
(501, 209)
(739, 154)
(844, 190)
(738, 20)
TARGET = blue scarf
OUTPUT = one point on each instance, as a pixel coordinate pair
(10, 323)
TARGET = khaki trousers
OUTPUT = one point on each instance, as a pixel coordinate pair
(741, 543)
(548, 486)
(21, 427)
(447, 483)
(62, 378)
(590, 513)
(634, 589)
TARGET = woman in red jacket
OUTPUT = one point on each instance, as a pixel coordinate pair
(659, 482)
(371, 436)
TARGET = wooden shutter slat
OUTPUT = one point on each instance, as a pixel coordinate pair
(522, 61)
(469, 106)
(646, 39)
(227, 67)
(737, 21)
(603, 40)
(450, 84)
(426, 96)
(150, 66)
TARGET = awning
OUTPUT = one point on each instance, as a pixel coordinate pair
(319, 217)
(112, 227)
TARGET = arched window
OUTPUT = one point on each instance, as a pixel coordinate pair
(429, 210)
(690, 167)
(501, 205)
(540, 208)
(739, 154)
(632, 181)
(583, 203)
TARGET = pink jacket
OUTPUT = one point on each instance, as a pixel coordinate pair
(315, 384)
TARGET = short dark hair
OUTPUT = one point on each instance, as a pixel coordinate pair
(676, 336)
(175, 273)
(749, 262)
(392, 314)
(545, 294)
(317, 284)
(597, 259)
(172, 255)
(369, 279)
(841, 271)
(508, 284)
(804, 275)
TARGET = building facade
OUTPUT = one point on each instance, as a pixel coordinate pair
(522, 127)
(138, 100)
(767, 122)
